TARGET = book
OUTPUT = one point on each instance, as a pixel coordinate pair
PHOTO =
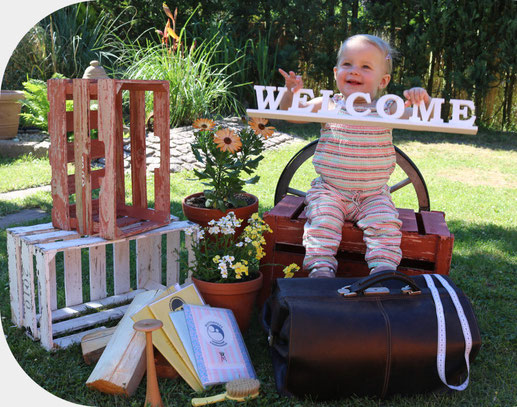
(218, 346)
(167, 349)
(171, 303)
(180, 323)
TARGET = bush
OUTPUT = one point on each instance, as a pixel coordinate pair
(199, 85)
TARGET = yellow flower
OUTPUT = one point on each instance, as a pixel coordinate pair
(290, 270)
(216, 259)
(204, 124)
(259, 127)
(227, 140)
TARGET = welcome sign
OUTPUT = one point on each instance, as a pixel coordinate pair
(423, 118)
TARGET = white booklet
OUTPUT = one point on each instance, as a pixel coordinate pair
(180, 323)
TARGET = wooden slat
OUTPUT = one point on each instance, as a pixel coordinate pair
(119, 149)
(434, 223)
(29, 302)
(85, 321)
(82, 157)
(162, 189)
(138, 149)
(96, 150)
(97, 272)
(95, 177)
(52, 283)
(73, 277)
(107, 115)
(444, 255)
(121, 275)
(91, 87)
(44, 290)
(58, 153)
(148, 260)
(30, 230)
(141, 85)
(409, 223)
(76, 310)
(66, 341)
(70, 120)
(289, 206)
(15, 279)
(191, 258)
(144, 213)
(51, 236)
(172, 252)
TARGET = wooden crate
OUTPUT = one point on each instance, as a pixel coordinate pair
(32, 256)
(110, 212)
(426, 243)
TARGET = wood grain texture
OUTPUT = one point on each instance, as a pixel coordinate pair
(58, 153)
(122, 364)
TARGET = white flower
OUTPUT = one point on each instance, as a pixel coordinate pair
(214, 230)
(240, 244)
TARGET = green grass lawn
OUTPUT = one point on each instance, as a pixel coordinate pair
(473, 179)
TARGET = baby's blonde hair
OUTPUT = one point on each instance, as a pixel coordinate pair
(385, 48)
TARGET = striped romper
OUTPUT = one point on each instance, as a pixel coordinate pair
(354, 164)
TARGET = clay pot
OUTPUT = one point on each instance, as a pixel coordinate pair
(202, 216)
(10, 113)
(239, 297)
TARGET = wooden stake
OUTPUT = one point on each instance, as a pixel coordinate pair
(152, 396)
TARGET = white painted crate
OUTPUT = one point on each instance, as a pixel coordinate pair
(33, 287)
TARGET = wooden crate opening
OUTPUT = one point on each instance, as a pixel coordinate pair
(92, 200)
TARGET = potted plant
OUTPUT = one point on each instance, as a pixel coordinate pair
(225, 155)
(10, 112)
(226, 269)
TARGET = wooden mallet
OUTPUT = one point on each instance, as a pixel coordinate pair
(152, 397)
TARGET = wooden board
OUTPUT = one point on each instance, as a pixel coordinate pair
(93, 344)
(122, 364)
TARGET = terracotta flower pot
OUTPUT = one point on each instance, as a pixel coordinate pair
(239, 297)
(202, 216)
(10, 113)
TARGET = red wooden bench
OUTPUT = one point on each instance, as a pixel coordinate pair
(426, 243)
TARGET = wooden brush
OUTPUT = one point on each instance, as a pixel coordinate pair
(237, 390)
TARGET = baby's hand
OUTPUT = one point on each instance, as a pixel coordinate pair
(416, 95)
(293, 82)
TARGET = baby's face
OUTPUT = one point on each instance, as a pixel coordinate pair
(361, 68)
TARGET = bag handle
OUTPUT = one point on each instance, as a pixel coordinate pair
(366, 282)
(442, 339)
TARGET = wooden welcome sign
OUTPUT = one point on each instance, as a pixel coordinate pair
(423, 118)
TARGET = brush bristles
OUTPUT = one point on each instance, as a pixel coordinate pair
(241, 388)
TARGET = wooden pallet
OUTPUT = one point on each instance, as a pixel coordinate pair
(33, 276)
(426, 243)
(109, 213)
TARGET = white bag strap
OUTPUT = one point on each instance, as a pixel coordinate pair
(442, 339)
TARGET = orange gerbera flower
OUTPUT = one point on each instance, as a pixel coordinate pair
(204, 124)
(227, 140)
(259, 127)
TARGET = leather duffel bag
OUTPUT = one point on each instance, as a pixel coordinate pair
(333, 338)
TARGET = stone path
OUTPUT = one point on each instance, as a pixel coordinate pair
(181, 159)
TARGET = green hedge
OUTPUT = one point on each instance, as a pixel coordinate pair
(456, 49)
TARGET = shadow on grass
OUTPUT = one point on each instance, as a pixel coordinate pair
(484, 138)
(40, 200)
(484, 266)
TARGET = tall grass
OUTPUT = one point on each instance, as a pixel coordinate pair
(199, 84)
(65, 42)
